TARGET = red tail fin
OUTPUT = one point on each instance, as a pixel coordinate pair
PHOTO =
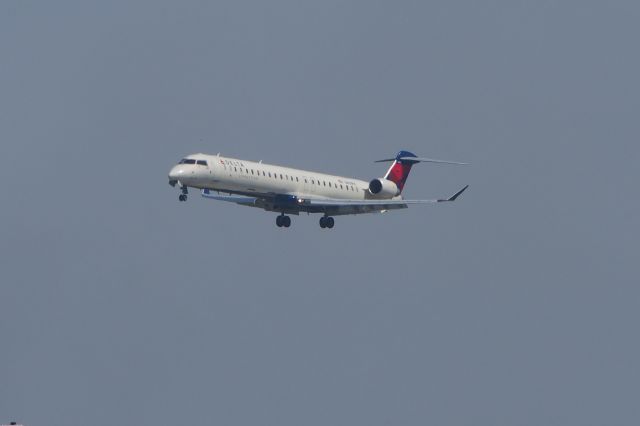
(399, 170)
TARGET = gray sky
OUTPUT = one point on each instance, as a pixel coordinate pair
(518, 304)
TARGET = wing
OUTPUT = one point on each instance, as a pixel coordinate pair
(341, 207)
(335, 207)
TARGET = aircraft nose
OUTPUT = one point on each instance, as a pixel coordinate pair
(176, 173)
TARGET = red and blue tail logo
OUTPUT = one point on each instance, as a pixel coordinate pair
(399, 170)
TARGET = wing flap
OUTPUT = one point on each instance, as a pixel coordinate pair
(245, 201)
(344, 207)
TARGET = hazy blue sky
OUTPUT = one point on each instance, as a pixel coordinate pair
(516, 305)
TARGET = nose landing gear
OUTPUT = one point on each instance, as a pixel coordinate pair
(283, 221)
(185, 192)
(326, 222)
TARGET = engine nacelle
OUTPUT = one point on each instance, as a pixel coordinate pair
(383, 188)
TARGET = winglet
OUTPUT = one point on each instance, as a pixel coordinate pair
(456, 195)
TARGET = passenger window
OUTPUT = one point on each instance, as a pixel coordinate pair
(340, 186)
(324, 182)
(281, 176)
(252, 171)
(269, 174)
(297, 180)
(263, 173)
(235, 169)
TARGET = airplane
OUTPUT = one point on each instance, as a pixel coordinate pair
(291, 191)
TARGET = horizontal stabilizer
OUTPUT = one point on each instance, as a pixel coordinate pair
(432, 160)
(421, 160)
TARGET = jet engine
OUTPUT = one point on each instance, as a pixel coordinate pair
(383, 188)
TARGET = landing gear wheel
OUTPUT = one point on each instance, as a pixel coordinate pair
(329, 222)
(283, 221)
(326, 222)
(182, 197)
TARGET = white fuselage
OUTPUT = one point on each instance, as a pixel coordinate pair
(232, 175)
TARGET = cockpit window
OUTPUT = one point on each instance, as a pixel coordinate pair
(191, 161)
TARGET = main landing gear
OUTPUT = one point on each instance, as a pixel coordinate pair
(283, 221)
(183, 196)
(326, 222)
